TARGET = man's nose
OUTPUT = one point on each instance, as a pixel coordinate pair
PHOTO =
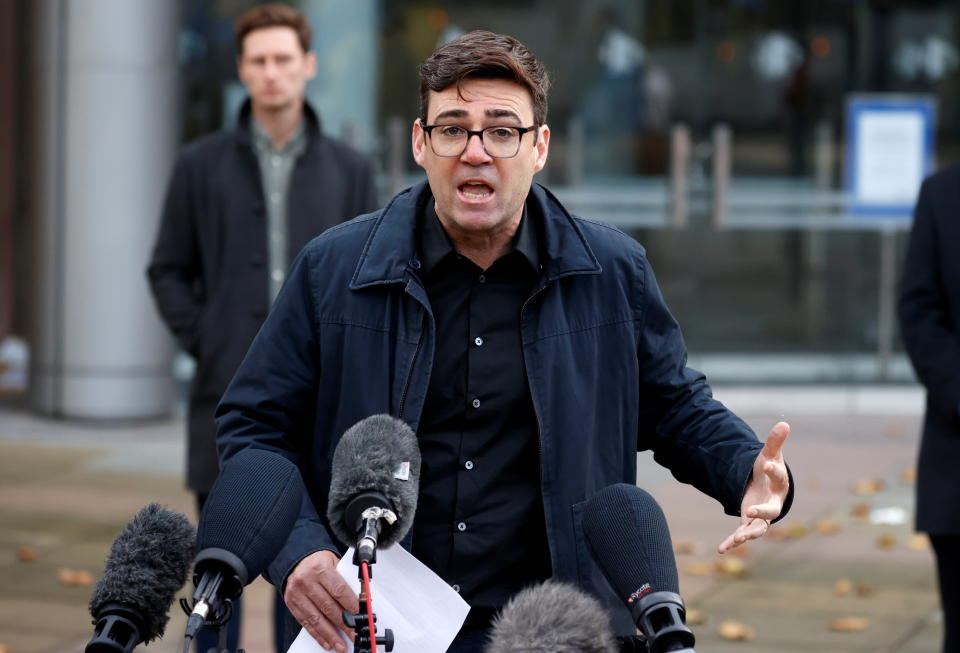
(474, 153)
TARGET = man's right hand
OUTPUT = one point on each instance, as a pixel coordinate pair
(316, 595)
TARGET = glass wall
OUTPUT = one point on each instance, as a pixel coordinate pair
(711, 130)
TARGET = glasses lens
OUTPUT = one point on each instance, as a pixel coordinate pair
(501, 141)
(448, 140)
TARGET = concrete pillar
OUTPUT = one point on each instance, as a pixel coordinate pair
(106, 134)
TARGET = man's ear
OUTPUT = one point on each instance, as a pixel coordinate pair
(543, 147)
(311, 64)
(418, 140)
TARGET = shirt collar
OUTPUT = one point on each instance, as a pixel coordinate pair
(262, 140)
(435, 245)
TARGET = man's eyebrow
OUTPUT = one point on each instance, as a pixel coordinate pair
(502, 113)
(451, 113)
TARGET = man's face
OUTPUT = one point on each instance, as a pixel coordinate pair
(477, 195)
(274, 67)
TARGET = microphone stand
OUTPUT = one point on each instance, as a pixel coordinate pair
(363, 623)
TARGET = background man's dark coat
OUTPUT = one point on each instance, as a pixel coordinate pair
(930, 324)
(209, 272)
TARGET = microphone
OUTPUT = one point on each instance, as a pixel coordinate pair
(147, 564)
(630, 542)
(374, 483)
(555, 617)
(246, 519)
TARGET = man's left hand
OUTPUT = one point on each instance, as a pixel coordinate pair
(766, 491)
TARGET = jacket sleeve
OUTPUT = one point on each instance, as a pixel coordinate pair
(692, 434)
(175, 269)
(270, 404)
(925, 323)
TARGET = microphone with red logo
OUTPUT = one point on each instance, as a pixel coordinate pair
(628, 537)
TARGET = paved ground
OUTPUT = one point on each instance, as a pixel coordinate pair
(67, 489)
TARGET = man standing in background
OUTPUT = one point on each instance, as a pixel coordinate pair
(240, 205)
(930, 324)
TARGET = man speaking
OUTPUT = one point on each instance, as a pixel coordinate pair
(529, 349)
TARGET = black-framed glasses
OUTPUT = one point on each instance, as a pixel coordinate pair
(500, 142)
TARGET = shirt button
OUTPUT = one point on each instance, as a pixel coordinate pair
(478, 341)
(482, 279)
(461, 527)
(468, 464)
(475, 403)
(277, 275)
(455, 588)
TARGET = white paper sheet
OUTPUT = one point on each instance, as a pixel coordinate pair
(423, 612)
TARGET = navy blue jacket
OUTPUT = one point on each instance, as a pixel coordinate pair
(352, 334)
(929, 311)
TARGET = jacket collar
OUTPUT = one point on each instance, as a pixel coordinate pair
(390, 250)
(243, 128)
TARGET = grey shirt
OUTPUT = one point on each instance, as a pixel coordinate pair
(276, 168)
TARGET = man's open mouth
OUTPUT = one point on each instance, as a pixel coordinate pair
(473, 190)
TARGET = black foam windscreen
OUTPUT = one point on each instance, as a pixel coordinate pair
(148, 562)
(630, 541)
(554, 617)
(378, 454)
(252, 508)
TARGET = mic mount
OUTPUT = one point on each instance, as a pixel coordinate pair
(365, 640)
(661, 616)
(217, 573)
(366, 550)
(118, 629)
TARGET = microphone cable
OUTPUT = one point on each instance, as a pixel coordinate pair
(365, 570)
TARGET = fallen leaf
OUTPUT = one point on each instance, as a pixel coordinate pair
(735, 631)
(741, 551)
(842, 587)
(5, 649)
(700, 568)
(732, 567)
(861, 510)
(695, 617)
(25, 554)
(686, 547)
(909, 475)
(918, 542)
(886, 541)
(849, 624)
(797, 530)
(827, 527)
(813, 484)
(868, 486)
(74, 577)
(865, 591)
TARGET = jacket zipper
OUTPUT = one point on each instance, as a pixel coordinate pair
(536, 413)
(413, 362)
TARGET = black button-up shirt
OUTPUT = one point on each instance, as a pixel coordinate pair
(480, 523)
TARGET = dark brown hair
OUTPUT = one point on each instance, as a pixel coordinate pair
(274, 14)
(485, 55)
